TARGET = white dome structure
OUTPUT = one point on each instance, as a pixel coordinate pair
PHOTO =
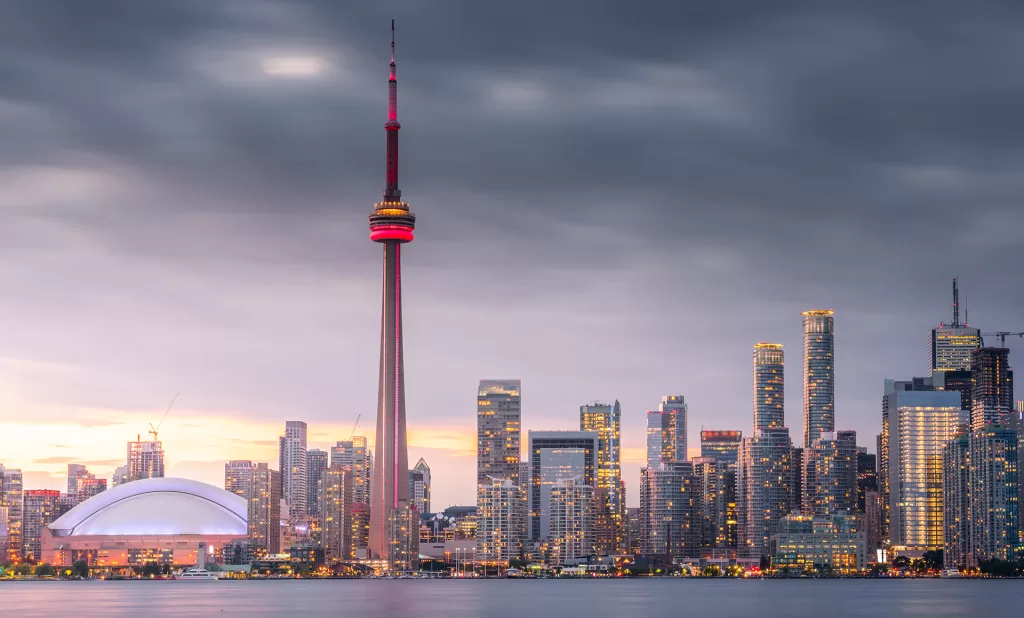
(160, 507)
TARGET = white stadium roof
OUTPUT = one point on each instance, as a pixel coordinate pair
(163, 506)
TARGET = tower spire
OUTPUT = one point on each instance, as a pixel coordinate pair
(391, 191)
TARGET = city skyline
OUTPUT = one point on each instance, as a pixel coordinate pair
(140, 274)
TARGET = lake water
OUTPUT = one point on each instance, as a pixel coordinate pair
(646, 598)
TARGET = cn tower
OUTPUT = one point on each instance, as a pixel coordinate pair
(391, 224)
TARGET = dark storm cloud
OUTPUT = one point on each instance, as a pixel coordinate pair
(615, 199)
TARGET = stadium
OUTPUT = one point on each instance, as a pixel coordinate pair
(160, 520)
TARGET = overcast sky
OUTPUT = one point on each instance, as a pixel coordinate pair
(614, 200)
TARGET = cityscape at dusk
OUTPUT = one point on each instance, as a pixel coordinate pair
(672, 290)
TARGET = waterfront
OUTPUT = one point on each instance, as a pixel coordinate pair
(513, 599)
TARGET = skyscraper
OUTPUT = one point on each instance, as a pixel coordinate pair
(74, 471)
(316, 473)
(555, 456)
(40, 511)
(819, 374)
(605, 421)
(716, 488)
(570, 524)
(956, 503)
(353, 453)
(670, 510)
(765, 477)
(145, 460)
(293, 463)
(419, 486)
(391, 224)
(950, 346)
(769, 385)
(722, 444)
(238, 477)
(666, 431)
(264, 496)
(498, 420)
(920, 424)
(993, 494)
(12, 498)
(992, 393)
(830, 475)
(498, 521)
(337, 513)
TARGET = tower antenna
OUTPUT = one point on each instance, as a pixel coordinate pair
(956, 305)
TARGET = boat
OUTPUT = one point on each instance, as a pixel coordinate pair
(194, 574)
(950, 573)
(513, 572)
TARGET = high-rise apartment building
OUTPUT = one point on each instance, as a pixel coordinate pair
(830, 475)
(238, 477)
(353, 453)
(419, 486)
(765, 478)
(667, 430)
(74, 472)
(769, 385)
(605, 421)
(40, 510)
(498, 524)
(992, 392)
(264, 496)
(292, 461)
(12, 498)
(316, 473)
(336, 513)
(956, 503)
(819, 374)
(555, 456)
(867, 475)
(994, 494)
(670, 510)
(920, 424)
(571, 529)
(722, 444)
(145, 460)
(498, 423)
(716, 488)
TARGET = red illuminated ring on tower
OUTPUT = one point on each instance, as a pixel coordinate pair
(391, 232)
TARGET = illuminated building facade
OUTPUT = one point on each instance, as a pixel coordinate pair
(920, 424)
(497, 520)
(87, 488)
(819, 374)
(556, 456)
(867, 475)
(294, 477)
(354, 454)
(391, 224)
(956, 501)
(992, 392)
(12, 499)
(498, 421)
(145, 460)
(264, 508)
(605, 421)
(40, 511)
(670, 510)
(317, 461)
(994, 494)
(765, 476)
(419, 486)
(238, 477)
(716, 486)
(830, 469)
(950, 347)
(337, 514)
(804, 542)
(769, 385)
(570, 523)
(75, 472)
(722, 444)
(891, 386)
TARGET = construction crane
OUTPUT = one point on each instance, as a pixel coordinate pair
(1002, 337)
(155, 430)
(353, 434)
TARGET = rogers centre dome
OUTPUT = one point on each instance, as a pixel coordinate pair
(161, 519)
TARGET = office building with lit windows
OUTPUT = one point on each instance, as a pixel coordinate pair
(419, 486)
(716, 486)
(992, 392)
(769, 385)
(805, 542)
(830, 469)
(920, 425)
(317, 462)
(722, 444)
(336, 511)
(994, 494)
(13, 500)
(605, 421)
(556, 456)
(950, 347)
(819, 374)
(956, 504)
(39, 512)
